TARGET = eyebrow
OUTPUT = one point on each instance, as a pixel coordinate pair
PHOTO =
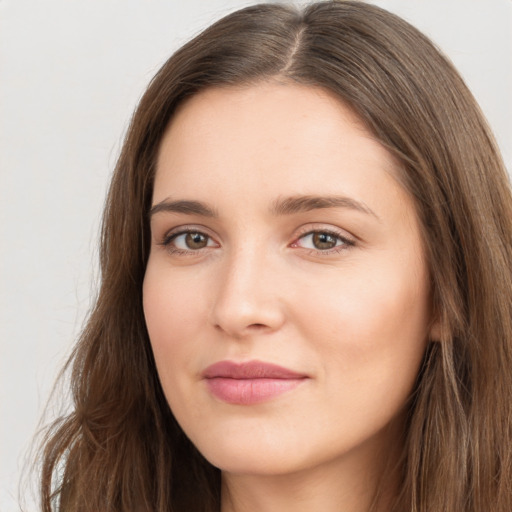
(284, 206)
(300, 204)
(186, 207)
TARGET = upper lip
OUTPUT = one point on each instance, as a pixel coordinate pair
(249, 370)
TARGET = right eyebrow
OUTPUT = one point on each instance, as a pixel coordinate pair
(184, 206)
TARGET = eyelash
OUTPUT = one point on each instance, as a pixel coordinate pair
(346, 243)
(169, 237)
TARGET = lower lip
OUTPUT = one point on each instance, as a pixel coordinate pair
(249, 391)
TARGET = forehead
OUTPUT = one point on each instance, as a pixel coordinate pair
(270, 137)
(270, 113)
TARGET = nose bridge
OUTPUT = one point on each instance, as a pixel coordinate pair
(247, 296)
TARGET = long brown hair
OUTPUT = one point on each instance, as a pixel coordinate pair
(121, 450)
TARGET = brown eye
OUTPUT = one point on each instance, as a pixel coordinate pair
(324, 241)
(188, 241)
(196, 240)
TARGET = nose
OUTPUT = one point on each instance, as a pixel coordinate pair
(248, 299)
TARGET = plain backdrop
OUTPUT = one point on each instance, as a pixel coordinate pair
(71, 73)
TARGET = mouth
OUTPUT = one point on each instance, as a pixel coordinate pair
(250, 383)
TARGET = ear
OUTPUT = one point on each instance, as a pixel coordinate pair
(435, 332)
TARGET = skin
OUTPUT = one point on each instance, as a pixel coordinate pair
(353, 318)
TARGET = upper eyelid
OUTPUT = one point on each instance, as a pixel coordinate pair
(188, 228)
(170, 235)
(346, 241)
(320, 227)
(299, 232)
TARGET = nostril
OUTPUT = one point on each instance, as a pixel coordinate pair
(239, 318)
(254, 328)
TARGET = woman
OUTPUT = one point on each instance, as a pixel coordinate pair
(306, 286)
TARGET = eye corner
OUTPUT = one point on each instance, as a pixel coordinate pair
(333, 240)
(188, 240)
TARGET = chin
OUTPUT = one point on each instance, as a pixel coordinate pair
(254, 455)
(256, 462)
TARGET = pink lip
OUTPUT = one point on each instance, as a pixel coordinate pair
(249, 383)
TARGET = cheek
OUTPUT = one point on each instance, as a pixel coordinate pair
(174, 313)
(371, 332)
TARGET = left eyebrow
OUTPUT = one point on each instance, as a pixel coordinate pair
(299, 204)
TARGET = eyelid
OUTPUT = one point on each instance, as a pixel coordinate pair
(348, 239)
(187, 228)
(173, 233)
(325, 228)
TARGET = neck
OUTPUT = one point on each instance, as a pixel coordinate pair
(354, 483)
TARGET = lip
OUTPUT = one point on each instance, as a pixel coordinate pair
(249, 383)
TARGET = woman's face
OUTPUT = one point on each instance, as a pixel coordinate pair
(284, 249)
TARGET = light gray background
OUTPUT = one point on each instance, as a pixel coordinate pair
(70, 75)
